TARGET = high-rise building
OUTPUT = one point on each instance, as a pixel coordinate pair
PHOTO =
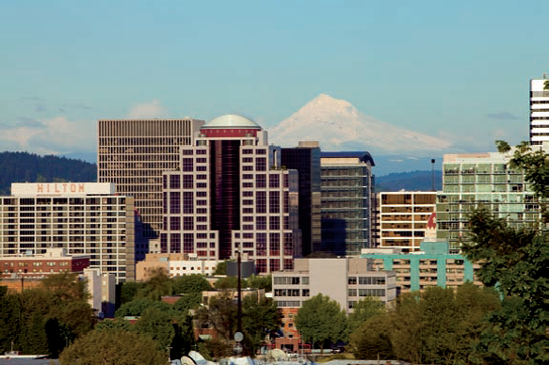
(347, 191)
(306, 160)
(134, 153)
(539, 111)
(470, 180)
(82, 218)
(402, 218)
(231, 193)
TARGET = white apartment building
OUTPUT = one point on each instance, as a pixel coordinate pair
(539, 111)
(83, 218)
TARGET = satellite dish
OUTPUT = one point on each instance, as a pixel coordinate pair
(185, 360)
(238, 336)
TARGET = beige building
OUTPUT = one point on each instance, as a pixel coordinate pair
(345, 280)
(82, 218)
(134, 153)
(402, 218)
(175, 264)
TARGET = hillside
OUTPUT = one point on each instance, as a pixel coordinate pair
(28, 167)
(415, 180)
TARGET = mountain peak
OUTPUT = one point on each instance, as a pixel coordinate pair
(338, 125)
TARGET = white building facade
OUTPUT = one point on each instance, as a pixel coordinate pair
(83, 218)
(539, 111)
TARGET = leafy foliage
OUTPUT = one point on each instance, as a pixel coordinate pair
(187, 284)
(117, 347)
(259, 317)
(260, 282)
(220, 314)
(363, 310)
(321, 319)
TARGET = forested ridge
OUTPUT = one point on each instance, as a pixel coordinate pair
(30, 167)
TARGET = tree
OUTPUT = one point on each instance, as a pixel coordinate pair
(193, 283)
(120, 347)
(158, 285)
(320, 320)
(221, 268)
(220, 314)
(514, 261)
(372, 339)
(228, 282)
(114, 325)
(187, 302)
(363, 310)
(138, 306)
(66, 286)
(260, 282)
(259, 317)
(128, 291)
(157, 324)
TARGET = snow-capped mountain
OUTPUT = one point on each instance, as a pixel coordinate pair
(337, 125)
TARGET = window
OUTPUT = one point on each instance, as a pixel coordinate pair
(261, 164)
(274, 181)
(260, 181)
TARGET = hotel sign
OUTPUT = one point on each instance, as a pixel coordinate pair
(62, 188)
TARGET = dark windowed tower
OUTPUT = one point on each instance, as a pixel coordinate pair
(306, 160)
(231, 193)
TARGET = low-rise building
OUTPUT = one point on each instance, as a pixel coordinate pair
(102, 290)
(345, 280)
(53, 261)
(175, 264)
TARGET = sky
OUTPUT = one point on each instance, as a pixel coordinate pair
(458, 70)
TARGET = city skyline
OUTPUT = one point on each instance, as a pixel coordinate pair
(435, 68)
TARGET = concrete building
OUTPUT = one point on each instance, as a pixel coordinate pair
(82, 218)
(102, 290)
(133, 154)
(347, 192)
(345, 280)
(231, 193)
(482, 178)
(175, 264)
(305, 158)
(539, 111)
(402, 218)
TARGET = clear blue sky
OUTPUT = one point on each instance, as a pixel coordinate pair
(457, 69)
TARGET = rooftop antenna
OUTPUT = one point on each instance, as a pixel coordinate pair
(433, 174)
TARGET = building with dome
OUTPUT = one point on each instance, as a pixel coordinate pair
(231, 193)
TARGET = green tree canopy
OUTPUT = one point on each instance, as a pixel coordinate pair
(193, 283)
(363, 310)
(158, 285)
(220, 314)
(260, 282)
(320, 320)
(259, 317)
(117, 347)
(138, 306)
(157, 324)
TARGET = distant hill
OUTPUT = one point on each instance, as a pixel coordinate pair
(415, 180)
(29, 167)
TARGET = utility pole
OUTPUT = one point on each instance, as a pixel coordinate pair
(433, 174)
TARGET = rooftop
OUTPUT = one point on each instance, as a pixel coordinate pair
(231, 121)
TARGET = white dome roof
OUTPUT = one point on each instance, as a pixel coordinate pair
(231, 121)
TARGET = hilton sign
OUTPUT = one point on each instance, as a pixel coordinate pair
(62, 188)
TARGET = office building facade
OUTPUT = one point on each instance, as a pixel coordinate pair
(305, 158)
(470, 180)
(402, 218)
(539, 111)
(231, 193)
(81, 218)
(133, 154)
(347, 186)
